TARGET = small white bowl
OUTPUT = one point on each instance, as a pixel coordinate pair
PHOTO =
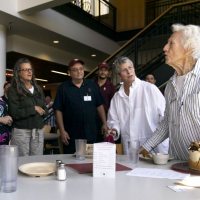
(160, 158)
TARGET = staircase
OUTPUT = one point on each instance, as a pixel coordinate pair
(145, 48)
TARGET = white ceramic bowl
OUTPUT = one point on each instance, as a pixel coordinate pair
(160, 158)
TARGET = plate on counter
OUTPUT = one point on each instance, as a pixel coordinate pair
(150, 158)
(38, 169)
(190, 181)
(184, 168)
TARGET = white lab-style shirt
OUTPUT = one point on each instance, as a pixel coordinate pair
(137, 116)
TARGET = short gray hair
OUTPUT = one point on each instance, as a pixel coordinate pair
(191, 37)
(121, 60)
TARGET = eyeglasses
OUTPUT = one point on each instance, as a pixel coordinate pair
(26, 70)
(77, 70)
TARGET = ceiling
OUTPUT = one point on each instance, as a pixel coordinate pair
(16, 26)
(42, 68)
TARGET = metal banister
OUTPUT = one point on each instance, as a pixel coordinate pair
(136, 41)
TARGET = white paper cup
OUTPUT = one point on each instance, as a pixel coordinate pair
(9, 167)
(160, 159)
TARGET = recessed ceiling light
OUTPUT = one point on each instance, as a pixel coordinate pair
(57, 72)
(56, 41)
(9, 74)
(10, 70)
(93, 55)
(39, 79)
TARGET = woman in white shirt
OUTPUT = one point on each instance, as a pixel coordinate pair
(137, 108)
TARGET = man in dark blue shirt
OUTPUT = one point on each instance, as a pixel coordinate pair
(77, 103)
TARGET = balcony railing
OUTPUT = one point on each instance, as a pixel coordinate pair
(145, 48)
(101, 10)
(154, 8)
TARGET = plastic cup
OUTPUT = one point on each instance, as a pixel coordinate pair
(133, 151)
(160, 158)
(8, 167)
(80, 148)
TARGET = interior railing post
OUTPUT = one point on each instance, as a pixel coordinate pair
(99, 10)
(82, 4)
(114, 19)
(136, 53)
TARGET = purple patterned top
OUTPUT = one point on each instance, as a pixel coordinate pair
(4, 129)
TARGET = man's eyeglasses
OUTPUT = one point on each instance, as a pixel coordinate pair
(26, 70)
(77, 70)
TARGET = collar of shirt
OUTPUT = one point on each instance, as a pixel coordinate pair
(72, 84)
(134, 85)
(195, 71)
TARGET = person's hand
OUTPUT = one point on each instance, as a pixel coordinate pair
(7, 120)
(64, 137)
(104, 129)
(112, 132)
(144, 152)
(39, 110)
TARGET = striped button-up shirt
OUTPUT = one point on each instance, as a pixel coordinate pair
(182, 116)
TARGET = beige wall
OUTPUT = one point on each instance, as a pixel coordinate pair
(130, 14)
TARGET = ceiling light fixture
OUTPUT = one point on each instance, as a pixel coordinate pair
(10, 70)
(93, 55)
(9, 74)
(57, 72)
(56, 41)
(39, 79)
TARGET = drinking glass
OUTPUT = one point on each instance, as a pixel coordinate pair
(80, 148)
(8, 167)
(133, 151)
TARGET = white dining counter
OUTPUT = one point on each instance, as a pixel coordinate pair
(85, 187)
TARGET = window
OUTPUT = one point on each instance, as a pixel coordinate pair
(94, 7)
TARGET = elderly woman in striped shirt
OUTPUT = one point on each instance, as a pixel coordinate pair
(181, 122)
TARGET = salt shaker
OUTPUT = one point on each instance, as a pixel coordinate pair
(61, 172)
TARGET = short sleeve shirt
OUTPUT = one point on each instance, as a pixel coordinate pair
(107, 91)
(79, 108)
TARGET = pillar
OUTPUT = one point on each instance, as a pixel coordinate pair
(2, 57)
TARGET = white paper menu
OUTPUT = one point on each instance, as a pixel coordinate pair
(104, 159)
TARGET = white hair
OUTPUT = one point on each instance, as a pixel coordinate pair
(121, 60)
(190, 37)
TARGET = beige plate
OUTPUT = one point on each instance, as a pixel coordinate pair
(190, 181)
(38, 168)
(151, 158)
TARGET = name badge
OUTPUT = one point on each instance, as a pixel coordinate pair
(87, 98)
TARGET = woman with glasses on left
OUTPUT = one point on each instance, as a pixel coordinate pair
(26, 105)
